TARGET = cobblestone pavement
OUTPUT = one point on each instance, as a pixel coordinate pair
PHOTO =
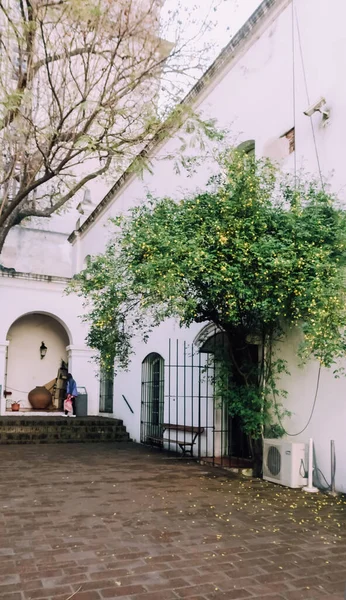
(129, 523)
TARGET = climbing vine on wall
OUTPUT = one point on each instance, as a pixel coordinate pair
(255, 253)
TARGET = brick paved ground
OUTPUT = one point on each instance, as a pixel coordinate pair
(128, 523)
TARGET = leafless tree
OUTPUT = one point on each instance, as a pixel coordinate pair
(80, 85)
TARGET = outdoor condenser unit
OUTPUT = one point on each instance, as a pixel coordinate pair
(284, 463)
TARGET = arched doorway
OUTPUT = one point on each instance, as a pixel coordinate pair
(230, 444)
(152, 399)
(28, 365)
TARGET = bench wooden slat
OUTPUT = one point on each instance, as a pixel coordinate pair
(154, 440)
(187, 428)
(186, 447)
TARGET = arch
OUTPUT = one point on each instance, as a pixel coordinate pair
(208, 331)
(248, 147)
(48, 314)
(86, 261)
(151, 357)
(27, 367)
(152, 398)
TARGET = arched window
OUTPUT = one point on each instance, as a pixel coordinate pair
(86, 261)
(152, 399)
(248, 147)
(106, 391)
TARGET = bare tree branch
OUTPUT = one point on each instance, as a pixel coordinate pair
(79, 83)
(47, 212)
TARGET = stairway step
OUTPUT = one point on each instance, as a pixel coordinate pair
(59, 421)
(41, 430)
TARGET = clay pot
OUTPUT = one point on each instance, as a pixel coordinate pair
(40, 398)
(15, 406)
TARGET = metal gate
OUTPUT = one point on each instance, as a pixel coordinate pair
(181, 412)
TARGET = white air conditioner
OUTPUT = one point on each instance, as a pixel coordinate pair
(284, 463)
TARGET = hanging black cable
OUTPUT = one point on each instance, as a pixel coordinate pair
(307, 94)
(311, 413)
(296, 22)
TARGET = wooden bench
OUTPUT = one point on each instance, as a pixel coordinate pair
(154, 441)
(186, 447)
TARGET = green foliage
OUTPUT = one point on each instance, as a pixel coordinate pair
(114, 315)
(254, 254)
(275, 431)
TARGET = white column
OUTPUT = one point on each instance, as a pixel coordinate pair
(85, 372)
(78, 263)
(3, 356)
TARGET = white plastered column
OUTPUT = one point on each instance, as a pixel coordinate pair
(3, 357)
(84, 370)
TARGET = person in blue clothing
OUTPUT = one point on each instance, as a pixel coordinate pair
(71, 395)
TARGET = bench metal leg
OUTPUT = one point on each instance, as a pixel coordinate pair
(184, 450)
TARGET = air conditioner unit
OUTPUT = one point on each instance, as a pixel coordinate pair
(284, 463)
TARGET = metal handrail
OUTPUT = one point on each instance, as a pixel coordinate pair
(128, 404)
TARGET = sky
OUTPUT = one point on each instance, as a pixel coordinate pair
(224, 19)
(227, 16)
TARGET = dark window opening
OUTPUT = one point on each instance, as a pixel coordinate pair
(106, 392)
(291, 137)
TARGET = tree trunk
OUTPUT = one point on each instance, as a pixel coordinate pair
(257, 450)
(5, 229)
(3, 235)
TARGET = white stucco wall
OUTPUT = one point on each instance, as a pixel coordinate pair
(318, 409)
(40, 251)
(128, 383)
(253, 96)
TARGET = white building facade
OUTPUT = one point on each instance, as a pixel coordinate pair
(286, 57)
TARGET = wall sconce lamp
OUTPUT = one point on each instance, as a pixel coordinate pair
(43, 350)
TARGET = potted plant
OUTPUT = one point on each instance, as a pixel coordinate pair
(15, 405)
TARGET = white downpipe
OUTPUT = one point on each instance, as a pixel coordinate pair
(310, 487)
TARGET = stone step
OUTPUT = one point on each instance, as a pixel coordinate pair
(68, 425)
(40, 430)
(45, 438)
(59, 420)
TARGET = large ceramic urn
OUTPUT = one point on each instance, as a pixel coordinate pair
(40, 398)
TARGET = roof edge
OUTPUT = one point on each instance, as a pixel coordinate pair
(13, 274)
(230, 51)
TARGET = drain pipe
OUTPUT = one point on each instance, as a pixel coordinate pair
(310, 487)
